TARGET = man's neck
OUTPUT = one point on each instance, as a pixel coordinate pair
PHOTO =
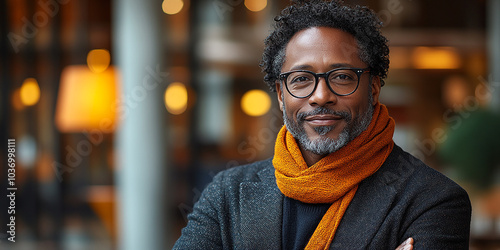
(309, 157)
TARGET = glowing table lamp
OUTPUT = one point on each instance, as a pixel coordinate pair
(87, 102)
(87, 99)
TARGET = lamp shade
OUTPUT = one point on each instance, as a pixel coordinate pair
(87, 100)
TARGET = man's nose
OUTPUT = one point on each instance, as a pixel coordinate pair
(322, 95)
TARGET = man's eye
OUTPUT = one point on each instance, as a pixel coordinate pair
(343, 77)
(301, 79)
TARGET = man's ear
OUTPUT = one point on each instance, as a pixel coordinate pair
(278, 92)
(376, 85)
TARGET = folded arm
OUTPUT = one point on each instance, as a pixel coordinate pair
(443, 224)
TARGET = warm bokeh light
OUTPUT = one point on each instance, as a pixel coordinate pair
(455, 91)
(256, 5)
(176, 98)
(30, 92)
(87, 100)
(172, 7)
(98, 60)
(16, 102)
(255, 102)
(435, 58)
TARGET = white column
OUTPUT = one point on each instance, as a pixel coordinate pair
(140, 139)
(493, 24)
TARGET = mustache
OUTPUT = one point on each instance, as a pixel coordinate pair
(324, 111)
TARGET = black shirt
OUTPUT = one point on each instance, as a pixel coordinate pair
(299, 222)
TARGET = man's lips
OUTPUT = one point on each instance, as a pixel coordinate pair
(323, 120)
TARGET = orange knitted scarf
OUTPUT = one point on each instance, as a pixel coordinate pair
(335, 178)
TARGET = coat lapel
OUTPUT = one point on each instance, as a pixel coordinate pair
(261, 212)
(369, 208)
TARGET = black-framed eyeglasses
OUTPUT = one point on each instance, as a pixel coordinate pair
(341, 81)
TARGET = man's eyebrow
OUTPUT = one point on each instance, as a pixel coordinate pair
(341, 65)
(301, 67)
(332, 66)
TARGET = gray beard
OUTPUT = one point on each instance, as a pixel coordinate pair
(326, 145)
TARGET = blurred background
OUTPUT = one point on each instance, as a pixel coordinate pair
(120, 112)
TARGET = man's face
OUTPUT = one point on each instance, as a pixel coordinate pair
(324, 122)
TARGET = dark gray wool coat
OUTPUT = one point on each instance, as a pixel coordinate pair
(242, 209)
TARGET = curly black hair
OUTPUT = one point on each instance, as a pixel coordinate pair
(359, 21)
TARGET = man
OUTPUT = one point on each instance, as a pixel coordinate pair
(336, 179)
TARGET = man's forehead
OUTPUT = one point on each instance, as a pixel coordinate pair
(309, 45)
(323, 38)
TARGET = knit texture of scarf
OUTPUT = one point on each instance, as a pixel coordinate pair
(335, 178)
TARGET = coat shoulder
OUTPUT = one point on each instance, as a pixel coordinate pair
(408, 171)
